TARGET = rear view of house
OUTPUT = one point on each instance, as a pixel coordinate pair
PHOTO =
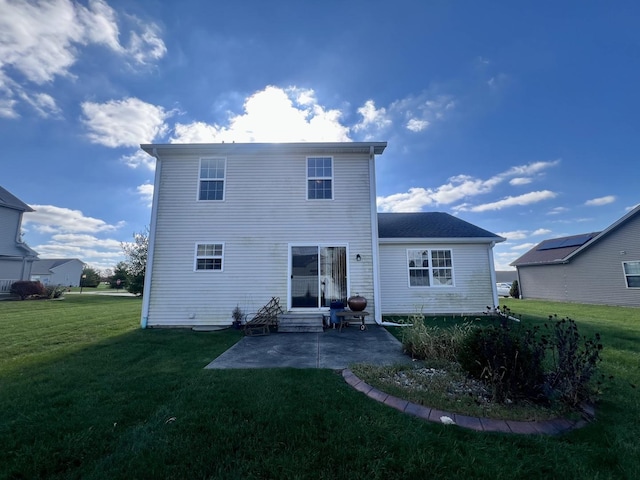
(16, 258)
(596, 267)
(58, 271)
(237, 224)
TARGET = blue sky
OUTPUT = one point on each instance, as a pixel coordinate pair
(519, 117)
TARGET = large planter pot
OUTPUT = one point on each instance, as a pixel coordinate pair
(357, 303)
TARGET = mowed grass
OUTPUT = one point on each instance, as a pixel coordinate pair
(84, 393)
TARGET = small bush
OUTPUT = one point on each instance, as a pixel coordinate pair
(575, 361)
(55, 291)
(25, 289)
(509, 361)
(514, 292)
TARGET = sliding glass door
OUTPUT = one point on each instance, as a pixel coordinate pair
(318, 275)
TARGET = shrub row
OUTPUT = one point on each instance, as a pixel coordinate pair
(28, 289)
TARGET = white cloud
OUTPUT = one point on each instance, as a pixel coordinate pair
(597, 202)
(557, 210)
(417, 125)
(520, 181)
(42, 40)
(43, 103)
(457, 188)
(515, 235)
(146, 193)
(299, 117)
(52, 219)
(541, 231)
(520, 200)
(374, 119)
(140, 158)
(524, 246)
(124, 123)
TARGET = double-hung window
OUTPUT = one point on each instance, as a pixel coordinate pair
(632, 273)
(209, 256)
(430, 268)
(319, 178)
(212, 176)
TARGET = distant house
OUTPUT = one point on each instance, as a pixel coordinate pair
(597, 267)
(16, 258)
(236, 224)
(60, 271)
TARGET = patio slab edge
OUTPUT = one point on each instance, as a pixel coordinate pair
(554, 426)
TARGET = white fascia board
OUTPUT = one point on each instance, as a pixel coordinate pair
(247, 148)
(441, 240)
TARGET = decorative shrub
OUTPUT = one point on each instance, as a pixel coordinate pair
(515, 290)
(55, 291)
(575, 361)
(25, 289)
(509, 361)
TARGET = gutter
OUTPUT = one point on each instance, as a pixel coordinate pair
(146, 290)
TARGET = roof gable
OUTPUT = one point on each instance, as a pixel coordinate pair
(430, 225)
(7, 199)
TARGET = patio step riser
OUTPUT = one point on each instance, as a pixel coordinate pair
(300, 324)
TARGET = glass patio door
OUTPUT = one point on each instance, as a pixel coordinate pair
(318, 275)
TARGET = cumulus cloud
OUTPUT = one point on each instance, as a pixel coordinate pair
(300, 118)
(597, 202)
(139, 158)
(42, 40)
(520, 181)
(52, 219)
(458, 188)
(145, 191)
(124, 123)
(515, 235)
(520, 200)
(524, 246)
(541, 231)
(374, 119)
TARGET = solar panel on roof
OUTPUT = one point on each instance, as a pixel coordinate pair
(576, 241)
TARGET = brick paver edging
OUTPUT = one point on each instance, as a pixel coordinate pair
(546, 427)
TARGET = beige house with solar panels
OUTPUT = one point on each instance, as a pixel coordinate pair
(237, 224)
(598, 267)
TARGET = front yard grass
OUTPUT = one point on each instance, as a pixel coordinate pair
(84, 393)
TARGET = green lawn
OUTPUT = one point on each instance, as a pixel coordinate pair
(84, 393)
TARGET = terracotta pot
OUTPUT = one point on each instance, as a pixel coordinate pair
(357, 303)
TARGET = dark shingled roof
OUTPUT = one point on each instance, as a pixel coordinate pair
(541, 253)
(8, 200)
(429, 225)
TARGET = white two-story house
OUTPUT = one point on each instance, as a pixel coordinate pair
(237, 224)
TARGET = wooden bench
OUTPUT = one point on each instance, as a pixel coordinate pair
(264, 319)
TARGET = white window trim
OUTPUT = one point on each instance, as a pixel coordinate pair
(320, 178)
(627, 275)
(430, 268)
(223, 179)
(196, 257)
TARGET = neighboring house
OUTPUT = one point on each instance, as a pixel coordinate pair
(16, 257)
(597, 267)
(236, 224)
(506, 276)
(60, 271)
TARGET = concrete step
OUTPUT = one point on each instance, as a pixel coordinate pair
(300, 323)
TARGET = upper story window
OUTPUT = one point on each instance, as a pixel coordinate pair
(430, 268)
(632, 273)
(212, 175)
(319, 178)
(209, 256)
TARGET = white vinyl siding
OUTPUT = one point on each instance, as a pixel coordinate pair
(265, 210)
(471, 292)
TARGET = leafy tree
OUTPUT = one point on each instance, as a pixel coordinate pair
(90, 277)
(120, 277)
(136, 262)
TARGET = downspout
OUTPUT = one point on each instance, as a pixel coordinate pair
(375, 248)
(492, 270)
(146, 291)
